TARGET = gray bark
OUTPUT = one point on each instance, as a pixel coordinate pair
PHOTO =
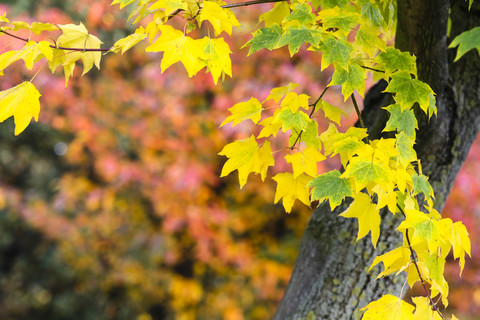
(331, 279)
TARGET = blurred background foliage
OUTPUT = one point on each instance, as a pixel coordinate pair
(111, 205)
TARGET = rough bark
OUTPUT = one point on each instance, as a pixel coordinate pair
(331, 279)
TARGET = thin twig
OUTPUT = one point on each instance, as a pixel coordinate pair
(357, 110)
(373, 69)
(61, 48)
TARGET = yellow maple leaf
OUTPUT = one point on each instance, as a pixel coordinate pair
(21, 102)
(129, 41)
(295, 101)
(276, 15)
(278, 93)
(305, 161)
(216, 54)
(388, 307)
(290, 189)
(178, 47)
(30, 53)
(222, 19)
(169, 6)
(247, 156)
(76, 36)
(367, 214)
(251, 109)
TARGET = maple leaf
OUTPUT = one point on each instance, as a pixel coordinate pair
(367, 214)
(404, 145)
(122, 3)
(292, 121)
(251, 109)
(294, 101)
(421, 184)
(75, 36)
(331, 112)
(178, 47)
(271, 127)
(336, 18)
(335, 50)
(368, 40)
(310, 135)
(222, 19)
(457, 235)
(246, 157)
(295, 36)
(217, 57)
(393, 261)
(423, 310)
(21, 102)
(301, 15)
(31, 52)
(330, 186)
(365, 171)
(276, 15)
(371, 12)
(408, 91)
(351, 80)
(35, 27)
(305, 161)
(402, 121)
(278, 93)
(388, 307)
(466, 41)
(290, 189)
(169, 6)
(267, 37)
(129, 41)
(393, 60)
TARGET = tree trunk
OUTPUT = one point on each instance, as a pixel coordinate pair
(331, 279)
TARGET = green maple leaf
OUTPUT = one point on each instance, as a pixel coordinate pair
(301, 14)
(335, 50)
(351, 80)
(310, 135)
(326, 4)
(295, 36)
(295, 121)
(368, 39)
(408, 91)
(330, 186)
(402, 121)
(365, 171)
(466, 41)
(265, 38)
(421, 184)
(393, 60)
(371, 12)
(335, 18)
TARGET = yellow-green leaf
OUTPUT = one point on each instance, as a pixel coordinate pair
(305, 161)
(222, 19)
